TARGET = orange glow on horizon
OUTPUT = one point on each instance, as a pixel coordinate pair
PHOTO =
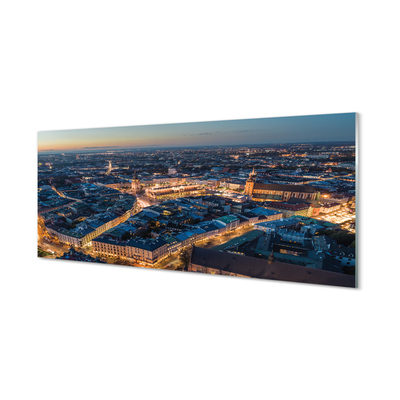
(86, 140)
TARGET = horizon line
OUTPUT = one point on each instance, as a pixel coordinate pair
(189, 146)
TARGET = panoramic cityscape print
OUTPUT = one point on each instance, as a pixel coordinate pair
(268, 198)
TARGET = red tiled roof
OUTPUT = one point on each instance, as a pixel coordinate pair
(285, 188)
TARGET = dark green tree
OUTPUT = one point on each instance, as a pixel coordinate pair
(126, 236)
(184, 256)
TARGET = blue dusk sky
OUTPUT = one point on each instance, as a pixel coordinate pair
(301, 129)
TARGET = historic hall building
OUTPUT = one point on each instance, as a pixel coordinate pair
(277, 192)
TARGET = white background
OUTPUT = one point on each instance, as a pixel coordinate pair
(81, 331)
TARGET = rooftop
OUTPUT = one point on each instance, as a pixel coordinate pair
(285, 188)
(263, 269)
(227, 219)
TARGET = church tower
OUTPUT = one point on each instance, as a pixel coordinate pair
(136, 187)
(248, 190)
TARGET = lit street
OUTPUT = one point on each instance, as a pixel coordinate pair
(57, 249)
(221, 239)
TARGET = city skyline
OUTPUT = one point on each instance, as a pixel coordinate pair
(278, 130)
(270, 198)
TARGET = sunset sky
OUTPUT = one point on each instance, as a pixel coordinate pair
(329, 127)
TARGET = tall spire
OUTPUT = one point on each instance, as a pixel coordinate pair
(252, 175)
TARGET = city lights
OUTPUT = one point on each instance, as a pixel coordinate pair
(153, 207)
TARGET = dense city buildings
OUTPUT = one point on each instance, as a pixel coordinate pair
(281, 211)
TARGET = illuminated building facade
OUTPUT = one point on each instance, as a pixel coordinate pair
(136, 186)
(142, 250)
(170, 192)
(288, 210)
(277, 192)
